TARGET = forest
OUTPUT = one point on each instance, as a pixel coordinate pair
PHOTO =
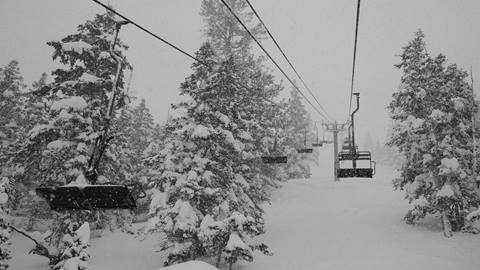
(206, 182)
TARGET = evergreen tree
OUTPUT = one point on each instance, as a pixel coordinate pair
(224, 33)
(200, 165)
(11, 105)
(299, 134)
(75, 115)
(266, 123)
(432, 129)
(5, 189)
(32, 113)
(137, 139)
(76, 254)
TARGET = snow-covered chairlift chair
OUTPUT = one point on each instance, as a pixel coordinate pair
(95, 196)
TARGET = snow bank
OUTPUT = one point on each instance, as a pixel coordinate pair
(74, 102)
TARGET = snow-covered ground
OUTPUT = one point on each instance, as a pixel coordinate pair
(112, 251)
(314, 224)
(355, 224)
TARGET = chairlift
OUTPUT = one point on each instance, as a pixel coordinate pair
(95, 196)
(275, 157)
(348, 145)
(88, 197)
(318, 143)
(362, 165)
(305, 149)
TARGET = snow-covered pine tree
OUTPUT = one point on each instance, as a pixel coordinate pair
(225, 34)
(136, 127)
(298, 125)
(229, 40)
(11, 106)
(5, 189)
(75, 114)
(27, 113)
(432, 129)
(136, 140)
(230, 238)
(75, 246)
(33, 114)
(203, 147)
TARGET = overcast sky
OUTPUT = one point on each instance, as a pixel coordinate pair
(316, 35)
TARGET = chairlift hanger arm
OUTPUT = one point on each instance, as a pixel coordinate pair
(102, 143)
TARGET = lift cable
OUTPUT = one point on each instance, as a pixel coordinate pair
(183, 51)
(354, 57)
(271, 59)
(149, 32)
(286, 58)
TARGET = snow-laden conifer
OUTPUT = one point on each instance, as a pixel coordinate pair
(432, 112)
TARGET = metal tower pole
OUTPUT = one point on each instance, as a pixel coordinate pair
(335, 151)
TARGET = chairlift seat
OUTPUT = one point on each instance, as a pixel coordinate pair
(305, 150)
(88, 197)
(364, 155)
(274, 159)
(359, 155)
(357, 173)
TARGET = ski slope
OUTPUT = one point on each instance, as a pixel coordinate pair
(313, 223)
(355, 224)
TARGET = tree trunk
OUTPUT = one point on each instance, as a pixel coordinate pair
(219, 258)
(447, 227)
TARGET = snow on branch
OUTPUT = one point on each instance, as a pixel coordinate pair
(74, 102)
